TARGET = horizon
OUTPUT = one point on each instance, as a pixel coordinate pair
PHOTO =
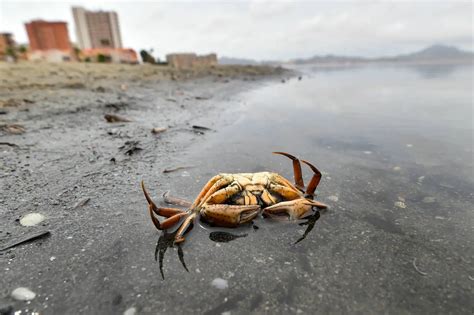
(274, 30)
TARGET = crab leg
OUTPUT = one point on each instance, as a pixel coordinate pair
(295, 209)
(313, 184)
(173, 215)
(223, 194)
(216, 183)
(229, 215)
(286, 192)
(299, 183)
(179, 238)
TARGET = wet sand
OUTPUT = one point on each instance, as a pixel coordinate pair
(82, 173)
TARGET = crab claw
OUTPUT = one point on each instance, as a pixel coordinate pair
(229, 215)
(296, 209)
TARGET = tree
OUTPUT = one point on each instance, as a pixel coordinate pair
(147, 57)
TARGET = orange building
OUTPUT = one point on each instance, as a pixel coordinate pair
(116, 55)
(45, 35)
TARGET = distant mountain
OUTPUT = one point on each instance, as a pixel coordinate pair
(329, 59)
(432, 53)
(437, 52)
(237, 61)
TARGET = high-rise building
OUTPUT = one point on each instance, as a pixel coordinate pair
(45, 35)
(97, 29)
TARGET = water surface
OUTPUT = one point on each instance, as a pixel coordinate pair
(395, 146)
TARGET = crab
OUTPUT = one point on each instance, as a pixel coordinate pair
(230, 200)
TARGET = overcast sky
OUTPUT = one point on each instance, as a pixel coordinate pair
(266, 29)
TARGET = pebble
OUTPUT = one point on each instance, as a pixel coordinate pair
(220, 283)
(334, 198)
(32, 219)
(409, 145)
(400, 204)
(397, 168)
(23, 294)
(367, 152)
(130, 311)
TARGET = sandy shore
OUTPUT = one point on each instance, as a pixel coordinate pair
(61, 158)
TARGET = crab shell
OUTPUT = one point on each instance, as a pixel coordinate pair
(230, 200)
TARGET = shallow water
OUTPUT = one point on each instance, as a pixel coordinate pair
(395, 146)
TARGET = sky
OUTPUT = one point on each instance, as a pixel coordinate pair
(266, 29)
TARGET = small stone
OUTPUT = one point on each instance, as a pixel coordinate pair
(23, 294)
(409, 145)
(220, 283)
(397, 168)
(367, 152)
(130, 311)
(52, 258)
(400, 204)
(32, 219)
(439, 217)
(334, 198)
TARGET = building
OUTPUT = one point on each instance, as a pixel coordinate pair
(7, 46)
(45, 35)
(97, 29)
(191, 60)
(49, 41)
(116, 55)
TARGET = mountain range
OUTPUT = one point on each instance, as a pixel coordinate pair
(434, 53)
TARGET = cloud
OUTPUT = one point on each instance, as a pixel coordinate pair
(268, 29)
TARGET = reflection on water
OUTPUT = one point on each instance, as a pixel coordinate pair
(310, 222)
(224, 237)
(165, 241)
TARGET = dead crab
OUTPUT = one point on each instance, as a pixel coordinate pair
(229, 200)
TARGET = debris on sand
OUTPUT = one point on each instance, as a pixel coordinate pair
(32, 219)
(202, 97)
(14, 129)
(100, 89)
(158, 130)
(23, 294)
(169, 99)
(201, 127)
(220, 283)
(418, 270)
(116, 105)
(23, 239)
(130, 311)
(174, 169)
(400, 204)
(11, 102)
(111, 118)
(81, 203)
(130, 147)
(9, 144)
